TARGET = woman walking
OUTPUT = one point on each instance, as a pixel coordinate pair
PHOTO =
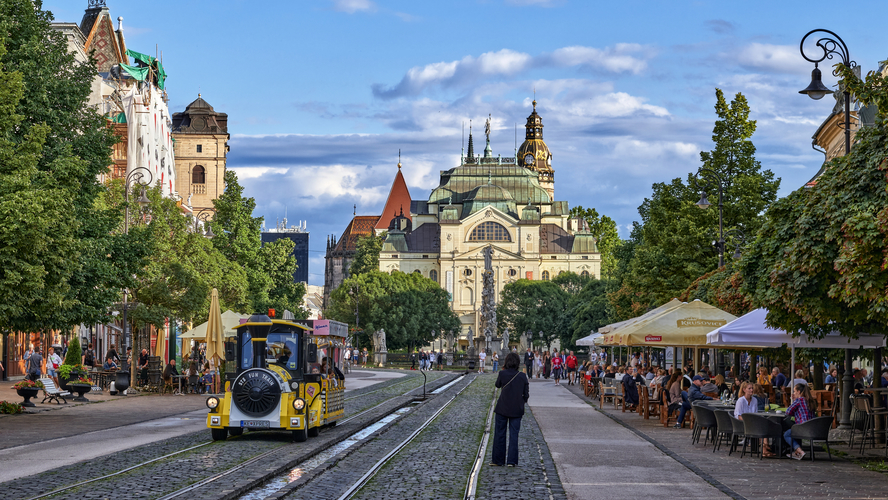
(514, 392)
(547, 365)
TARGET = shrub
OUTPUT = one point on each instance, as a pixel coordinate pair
(10, 408)
(27, 384)
(74, 355)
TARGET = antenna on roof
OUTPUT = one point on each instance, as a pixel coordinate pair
(516, 140)
(462, 144)
(355, 210)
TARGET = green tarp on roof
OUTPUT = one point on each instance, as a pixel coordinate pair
(141, 73)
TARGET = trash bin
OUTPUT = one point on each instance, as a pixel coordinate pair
(472, 365)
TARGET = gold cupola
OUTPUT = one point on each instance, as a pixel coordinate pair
(534, 154)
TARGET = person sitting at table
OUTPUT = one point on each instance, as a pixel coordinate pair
(763, 377)
(802, 408)
(694, 393)
(799, 378)
(721, 385)
(170, 370)
(630, 389)
(859, 386)
(610, 372)
(761, 397)
(832, 376)
(661, 378)
(708, 387)
(678, 392)
(747, 403)
(109, 365)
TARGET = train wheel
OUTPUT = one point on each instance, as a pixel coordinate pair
(313, 431)
(219, 434)
(332, 424)
(300, 435)
(236, 431)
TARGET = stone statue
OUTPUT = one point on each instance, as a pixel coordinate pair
(380, 352)
(487, 128)
(488, 258)
(505, 347)
(471, 338)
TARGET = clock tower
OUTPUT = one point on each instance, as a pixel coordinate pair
(535, 155)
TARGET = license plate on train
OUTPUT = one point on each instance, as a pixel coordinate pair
(255, 424)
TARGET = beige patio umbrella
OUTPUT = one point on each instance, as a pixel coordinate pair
(215, 336)
(160, 346)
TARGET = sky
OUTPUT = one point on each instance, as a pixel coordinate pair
(321, 95)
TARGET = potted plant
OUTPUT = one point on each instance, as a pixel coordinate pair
(28, 389)
(71, 367)
(10, 408)
(81, 386)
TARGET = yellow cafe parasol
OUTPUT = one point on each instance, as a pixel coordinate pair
(215, 339)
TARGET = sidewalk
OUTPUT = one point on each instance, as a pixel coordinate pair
(597, 457)
(750, 477)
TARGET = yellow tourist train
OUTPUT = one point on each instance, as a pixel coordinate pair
(287, 378)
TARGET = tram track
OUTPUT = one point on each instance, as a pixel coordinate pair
(275, 451)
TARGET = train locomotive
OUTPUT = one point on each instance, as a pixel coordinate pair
(287, 378)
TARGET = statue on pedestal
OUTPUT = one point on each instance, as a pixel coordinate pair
(505, 346)
(470, 351)
(380, 353)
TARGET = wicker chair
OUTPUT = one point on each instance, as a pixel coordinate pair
(816, 429)
(724, 429)
(759, 427)
(739, 432)
(704, 418)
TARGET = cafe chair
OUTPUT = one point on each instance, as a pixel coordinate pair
(618, 396)
(192, 384)
(607, 392)
(868, 415)
(759, 427)
(739, 432)
(704, 418)
(816, 429)
(724, 429)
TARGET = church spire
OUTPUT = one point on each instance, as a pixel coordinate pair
(470, 158)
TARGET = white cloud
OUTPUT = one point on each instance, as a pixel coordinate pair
(352, 6)
(621, 58)
(774, 58)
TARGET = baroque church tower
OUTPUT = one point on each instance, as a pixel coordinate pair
(535, 155)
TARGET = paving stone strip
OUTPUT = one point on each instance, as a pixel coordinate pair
(190, 466)
(535, 477)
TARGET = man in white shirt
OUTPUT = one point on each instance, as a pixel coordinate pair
(432, 360)
(593, 357)
(482, 357)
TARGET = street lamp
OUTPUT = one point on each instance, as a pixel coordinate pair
(137, 176)
(530, 337)
(739, 240)
(816, 90)
(204, 216)
(708, 178)
(354, 293)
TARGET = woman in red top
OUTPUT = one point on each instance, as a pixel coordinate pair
(556, 368)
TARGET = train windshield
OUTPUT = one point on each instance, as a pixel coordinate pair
(281, 348)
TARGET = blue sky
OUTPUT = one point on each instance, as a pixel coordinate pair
(321, 95)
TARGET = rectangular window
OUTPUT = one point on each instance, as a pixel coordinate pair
(425, 256)
(585, 257)
(199, 148)
(554, 257)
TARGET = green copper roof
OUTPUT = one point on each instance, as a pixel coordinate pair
(460, 182)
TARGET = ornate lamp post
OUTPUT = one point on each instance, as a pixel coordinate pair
(834, 47)
(137, 176)
(707, 179)
(205, 216)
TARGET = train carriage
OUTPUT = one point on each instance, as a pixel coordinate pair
(287, 377)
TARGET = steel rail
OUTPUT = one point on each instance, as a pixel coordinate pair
(472, 484)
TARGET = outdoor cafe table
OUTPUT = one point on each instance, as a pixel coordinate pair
(179, 379)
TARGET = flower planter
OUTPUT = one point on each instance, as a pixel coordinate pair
(28, 394)
(80, 389)
(122, 381)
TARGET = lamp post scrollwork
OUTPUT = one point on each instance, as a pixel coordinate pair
(137, 176)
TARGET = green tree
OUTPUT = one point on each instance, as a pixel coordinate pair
(818, 263)
(588, 311)
(367, 250)
(535, 306)
(269, 268)
(605, 231)
(408, 306)
(75, 146)
(675, 238)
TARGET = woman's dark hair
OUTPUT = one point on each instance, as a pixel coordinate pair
(674, 378)
(512, 362)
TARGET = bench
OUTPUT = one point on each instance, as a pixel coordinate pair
(51, 392)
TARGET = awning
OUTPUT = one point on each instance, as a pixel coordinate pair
(230, 321)
(590, 340)
(684, 325)
(653, 312)
(751, 329)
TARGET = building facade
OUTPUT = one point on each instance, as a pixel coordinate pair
(201, 151)
(299, 236)
(505, 203)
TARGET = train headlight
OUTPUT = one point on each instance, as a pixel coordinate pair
(298, 404)
(295, 386)
(212, 402)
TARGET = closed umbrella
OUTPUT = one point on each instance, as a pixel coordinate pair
(215, 339)
(160, 346)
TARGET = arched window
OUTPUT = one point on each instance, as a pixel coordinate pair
(490, 231)
(198, 175)
(584, 274)
(433, 275)
(545, 275)
(417, 271)
(467, 296)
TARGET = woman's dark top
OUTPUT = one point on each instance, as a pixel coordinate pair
(514, 392)
(722, 388)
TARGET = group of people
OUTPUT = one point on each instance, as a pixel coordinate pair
(560, 365)
(356, 356)
(428, 360)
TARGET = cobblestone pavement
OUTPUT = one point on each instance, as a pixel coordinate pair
(170, 474)
(752, 478)
(535, 478)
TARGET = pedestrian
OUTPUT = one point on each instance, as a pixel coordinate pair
(413, 361)
(495, 359)
(34, 363)
(571, 369)
(112, 353)
(537, 365)
(53, 362)
(482, 360)
(89, 357)
(143, 366)
(528, 362)
(440, 359)
(556, 368)
(514, 392)
(547, 365)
